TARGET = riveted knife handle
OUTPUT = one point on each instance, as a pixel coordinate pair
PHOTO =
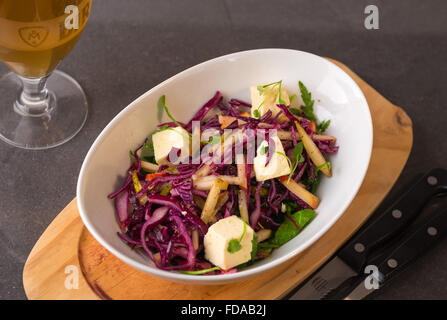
(394, 219)
(415, 244)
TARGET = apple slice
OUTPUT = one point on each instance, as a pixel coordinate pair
(300, 192)
(263, 234)
(211, 201)
(225, 121)
(287, 135)
(313, 151)
(243, 210)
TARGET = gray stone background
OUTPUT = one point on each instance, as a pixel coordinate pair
(130, 46)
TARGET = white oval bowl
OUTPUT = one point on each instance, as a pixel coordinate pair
(337, 96)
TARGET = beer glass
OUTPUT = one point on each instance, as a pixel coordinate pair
(40, 108)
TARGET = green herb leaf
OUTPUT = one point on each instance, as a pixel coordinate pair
(132, 155)
(234, 246)
(214, 140)
(280, 100)
(287, 158)
(289, 162)
(162, 105)
(295, 111)
(254, 252)
(291, 207)
(308, 107)
(261, 92)
(297, 157)
(203, 271)
(287, 230)
(314, 183)
(292, 97)
(149, 146)
(274, 84)
(162, 128)
(297, 153)
(147, 153)
(264, 150)
(327, 163)
(254, 246)
(322, 127)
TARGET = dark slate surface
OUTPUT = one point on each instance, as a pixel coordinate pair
(130, 46)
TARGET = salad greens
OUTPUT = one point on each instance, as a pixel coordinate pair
(161, 210)
(290, 228)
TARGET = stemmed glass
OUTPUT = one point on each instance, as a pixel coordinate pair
(40, 108)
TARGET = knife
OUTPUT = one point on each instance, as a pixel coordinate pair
(411, 246)
(351, 260)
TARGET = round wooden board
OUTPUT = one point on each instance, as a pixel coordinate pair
(66, 245)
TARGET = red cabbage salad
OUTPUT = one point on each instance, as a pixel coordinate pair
(215, 194)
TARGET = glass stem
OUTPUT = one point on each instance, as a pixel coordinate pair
(34, 100)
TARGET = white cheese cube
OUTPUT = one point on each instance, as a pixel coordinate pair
(165, 140)
(278, 165)
(268, 101)
(219, 236)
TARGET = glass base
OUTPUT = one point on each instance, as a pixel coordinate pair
(62, 119)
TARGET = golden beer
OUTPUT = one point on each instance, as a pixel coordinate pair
(33, 34)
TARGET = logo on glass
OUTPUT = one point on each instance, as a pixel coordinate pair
(36, 35)
(33, 36)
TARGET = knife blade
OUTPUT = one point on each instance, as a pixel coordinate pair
(331, 276)
(351, 259)
(410, 247)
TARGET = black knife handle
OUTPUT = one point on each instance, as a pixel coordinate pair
(389, 223)
(415, 244)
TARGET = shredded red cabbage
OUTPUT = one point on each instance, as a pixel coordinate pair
(160, 214)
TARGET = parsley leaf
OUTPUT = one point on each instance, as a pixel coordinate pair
(297, 153)
(256, 113)
(308, 107)
(295, 111)
(234, 246)
(292, 97)
(322, 126)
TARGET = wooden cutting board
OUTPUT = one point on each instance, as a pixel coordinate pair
(66, 256)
